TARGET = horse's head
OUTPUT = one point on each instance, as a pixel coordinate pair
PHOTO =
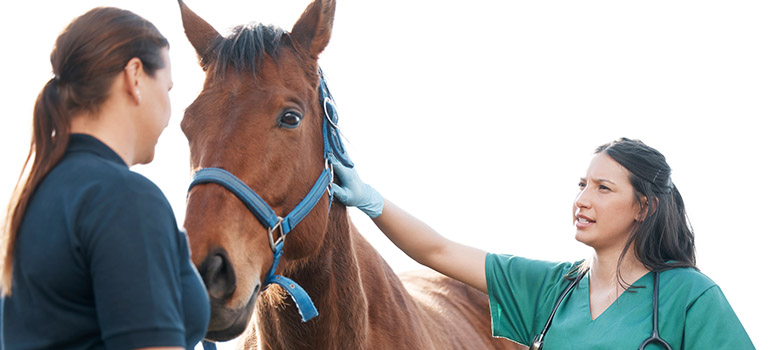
(258, 117)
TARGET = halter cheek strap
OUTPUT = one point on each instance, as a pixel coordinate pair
(333, 147)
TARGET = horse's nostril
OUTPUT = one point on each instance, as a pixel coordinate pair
(218, 275)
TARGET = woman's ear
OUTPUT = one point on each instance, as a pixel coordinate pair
(644, 208)
(132, 79)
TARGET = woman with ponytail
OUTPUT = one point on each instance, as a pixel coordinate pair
(92, 256)
(641, 288)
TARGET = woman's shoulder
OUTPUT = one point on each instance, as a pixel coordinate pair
(96, 190)
(112, 202)
(510, 264)
(692, 297)
(689, 274)
(687, 281)
(509, 259)
(101, 177)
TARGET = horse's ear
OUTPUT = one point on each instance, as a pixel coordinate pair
(202, 35)
(312, 31)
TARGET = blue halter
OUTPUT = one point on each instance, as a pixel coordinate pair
(333, 149)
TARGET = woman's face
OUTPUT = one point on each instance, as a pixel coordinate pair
(605, 210)
(156, 105)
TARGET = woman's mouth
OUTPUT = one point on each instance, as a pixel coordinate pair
(583, 221)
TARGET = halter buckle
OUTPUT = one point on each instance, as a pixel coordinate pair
(282, 235)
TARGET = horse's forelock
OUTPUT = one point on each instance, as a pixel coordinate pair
(246, 47)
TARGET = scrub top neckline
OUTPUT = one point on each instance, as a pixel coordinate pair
(638, 285)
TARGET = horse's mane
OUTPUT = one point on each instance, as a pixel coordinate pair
(245, 48)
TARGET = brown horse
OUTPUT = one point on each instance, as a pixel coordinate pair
(259, 117)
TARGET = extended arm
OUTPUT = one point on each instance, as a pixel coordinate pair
(412, 236)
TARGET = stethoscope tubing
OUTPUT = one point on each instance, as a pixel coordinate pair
(655, 336)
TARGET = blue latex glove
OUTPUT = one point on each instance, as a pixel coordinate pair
(354, 193)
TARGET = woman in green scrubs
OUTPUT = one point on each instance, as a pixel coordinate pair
(632, 215)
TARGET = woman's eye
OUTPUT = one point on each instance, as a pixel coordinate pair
(581, 185)
(602, 187)
(290, 120)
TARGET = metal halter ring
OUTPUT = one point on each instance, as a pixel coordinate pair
(271, 230)
(326, 101)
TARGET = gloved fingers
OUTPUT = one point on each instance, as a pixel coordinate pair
(346, 175)
(338, 192)
(338, 168)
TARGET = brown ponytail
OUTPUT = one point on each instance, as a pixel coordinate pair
(87, 57)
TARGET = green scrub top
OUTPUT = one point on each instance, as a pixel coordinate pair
(693, 313)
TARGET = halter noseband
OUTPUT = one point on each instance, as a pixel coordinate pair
(333, 148)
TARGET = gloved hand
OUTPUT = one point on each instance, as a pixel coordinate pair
(353, 192)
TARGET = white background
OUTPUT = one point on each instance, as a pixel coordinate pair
(479, 117)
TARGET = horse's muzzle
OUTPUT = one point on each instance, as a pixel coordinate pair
(219, 276)
(226, 323)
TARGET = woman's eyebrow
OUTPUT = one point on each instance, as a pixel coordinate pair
(598, 180)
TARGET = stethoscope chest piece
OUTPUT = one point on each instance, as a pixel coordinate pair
(536, 345)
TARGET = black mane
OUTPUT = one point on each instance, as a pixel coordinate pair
(245, 48)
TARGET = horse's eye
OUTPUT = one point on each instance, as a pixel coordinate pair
(290, 120)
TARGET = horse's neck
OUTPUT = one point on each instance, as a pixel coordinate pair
(337, 280)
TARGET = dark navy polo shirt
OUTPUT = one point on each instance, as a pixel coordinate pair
(100, 262)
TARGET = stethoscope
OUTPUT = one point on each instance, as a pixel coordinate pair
(655, 336)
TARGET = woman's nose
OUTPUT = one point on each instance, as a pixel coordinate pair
(583, 199)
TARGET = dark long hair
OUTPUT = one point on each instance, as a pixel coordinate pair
(87, 56)
(664, 238)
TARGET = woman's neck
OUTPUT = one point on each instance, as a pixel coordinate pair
(604, 269)
(110, 127)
